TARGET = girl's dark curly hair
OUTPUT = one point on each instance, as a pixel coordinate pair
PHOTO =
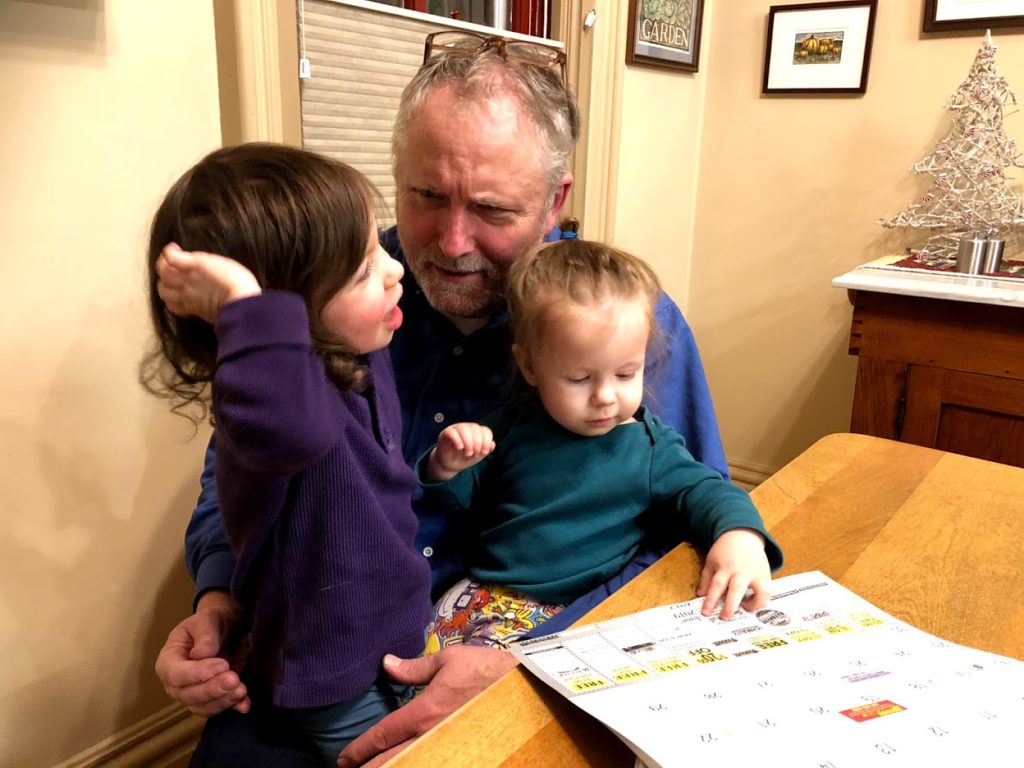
(298, 220)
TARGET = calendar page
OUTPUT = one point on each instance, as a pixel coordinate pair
(820, 678)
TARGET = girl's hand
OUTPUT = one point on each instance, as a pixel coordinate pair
(736, 573)
(198, 284)
(459, 447)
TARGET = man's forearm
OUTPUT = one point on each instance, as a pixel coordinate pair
(217, 600)
(208, 555)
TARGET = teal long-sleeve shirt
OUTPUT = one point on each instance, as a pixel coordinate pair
(552, 514)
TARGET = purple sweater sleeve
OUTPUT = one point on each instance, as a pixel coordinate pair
(273, 404)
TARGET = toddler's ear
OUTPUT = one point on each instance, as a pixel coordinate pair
(525, 363)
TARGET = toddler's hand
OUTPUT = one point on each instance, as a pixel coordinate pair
(736, 562)
(198, 284)
(459, 447)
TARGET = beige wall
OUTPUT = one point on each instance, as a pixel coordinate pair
(104, 103)
(658, 156)
(787, 195)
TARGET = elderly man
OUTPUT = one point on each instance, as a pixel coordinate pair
(481, 147)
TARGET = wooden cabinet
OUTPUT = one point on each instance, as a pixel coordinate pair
(940, 373)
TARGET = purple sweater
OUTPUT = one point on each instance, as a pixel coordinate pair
(315, 496)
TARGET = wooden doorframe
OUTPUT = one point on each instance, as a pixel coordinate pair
(257, 66)
(597, 80)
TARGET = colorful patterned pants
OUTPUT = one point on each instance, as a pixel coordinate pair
(472, 613)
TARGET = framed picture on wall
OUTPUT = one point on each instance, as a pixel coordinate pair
(940, 15)
(819, 47)
(664, 34)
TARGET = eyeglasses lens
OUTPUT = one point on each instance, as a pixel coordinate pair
(532, 53)
(456, 42)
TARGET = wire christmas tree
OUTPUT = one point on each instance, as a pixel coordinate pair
(970, 193)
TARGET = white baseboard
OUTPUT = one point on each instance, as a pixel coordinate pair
(163, 740)
(749, 476)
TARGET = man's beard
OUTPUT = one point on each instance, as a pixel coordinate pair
(480, 300)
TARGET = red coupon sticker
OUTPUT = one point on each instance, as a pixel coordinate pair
(866, 712)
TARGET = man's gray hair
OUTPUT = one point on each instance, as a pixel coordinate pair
(549, 105)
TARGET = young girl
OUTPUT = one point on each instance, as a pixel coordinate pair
(563, 485)
(313, 489)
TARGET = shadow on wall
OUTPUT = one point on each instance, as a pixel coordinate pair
(56, 27)
(168, 599)
(94, 538)
(819, 377)
(812, 401)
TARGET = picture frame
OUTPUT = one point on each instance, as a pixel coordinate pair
(673, 42)
(814, 48)
(943, 15)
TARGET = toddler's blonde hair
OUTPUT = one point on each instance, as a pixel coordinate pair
(580, 271)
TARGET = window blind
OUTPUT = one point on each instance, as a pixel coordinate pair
(361, 56)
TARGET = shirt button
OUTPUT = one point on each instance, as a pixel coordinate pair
(428, 551)
(456, 351)
(438, 417)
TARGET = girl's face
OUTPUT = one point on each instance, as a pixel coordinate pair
(589, 365)
(364, 313)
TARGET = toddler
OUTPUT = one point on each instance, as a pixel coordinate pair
(562, 485)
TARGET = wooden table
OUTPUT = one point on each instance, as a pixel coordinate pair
(933, 538)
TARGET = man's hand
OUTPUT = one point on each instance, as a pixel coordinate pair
(459, 447)
(198, 284)
(453, 676)
(736, 573)
(189, 665)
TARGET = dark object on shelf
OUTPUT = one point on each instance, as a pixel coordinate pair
(529, 17)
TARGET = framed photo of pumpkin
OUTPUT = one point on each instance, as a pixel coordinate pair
(665, 33)
(940, 15)
(819, 47)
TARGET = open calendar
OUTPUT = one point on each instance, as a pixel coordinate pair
(820, 678)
